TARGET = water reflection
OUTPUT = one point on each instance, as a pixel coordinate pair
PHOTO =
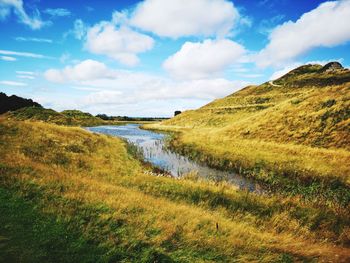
(152, 147)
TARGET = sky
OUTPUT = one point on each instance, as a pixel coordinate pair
(152, 57)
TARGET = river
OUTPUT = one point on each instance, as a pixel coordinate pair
(151, 144)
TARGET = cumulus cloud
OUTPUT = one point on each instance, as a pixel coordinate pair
(118, 42)
(185, 18)
(122, 86)
(33, 22)
(86, 70)
(325, 26)
(196, 60)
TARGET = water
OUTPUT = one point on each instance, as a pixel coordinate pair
(152, 146)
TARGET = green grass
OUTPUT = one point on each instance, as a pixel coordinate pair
(67, 117)
(28, 235)
(88, 187)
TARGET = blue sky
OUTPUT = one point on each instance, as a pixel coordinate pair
(152, 57)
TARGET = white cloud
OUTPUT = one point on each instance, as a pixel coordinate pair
(61, 12)
(25, 77)
(325, 26)
(33, 39)
(279, 73)
(125, 87)
(186, 18)
(33, 22)
(79, 30)
(196, 60)
(12, 83)
(22, 54)
(7, 58)
(118, 42)
(25, 72)
(86, 70)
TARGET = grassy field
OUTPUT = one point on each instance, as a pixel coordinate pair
(67, 195)
(292, 134)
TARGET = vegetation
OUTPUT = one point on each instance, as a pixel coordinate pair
(10, 103)
(126, 118)
(67, 195)
(291, 134)
(67, 117)
(25, 109)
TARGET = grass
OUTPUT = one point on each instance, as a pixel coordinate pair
(71, 117)
(292, 134)
(65, 183)
(67, 117)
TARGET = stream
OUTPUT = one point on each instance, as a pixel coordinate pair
(151, 144)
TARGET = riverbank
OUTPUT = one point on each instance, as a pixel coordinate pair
(315, 174)
(87, 188)
(151, 148)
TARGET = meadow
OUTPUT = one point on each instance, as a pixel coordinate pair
(67, 195)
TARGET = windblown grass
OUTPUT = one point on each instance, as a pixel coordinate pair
(88, 188)
(289, 133)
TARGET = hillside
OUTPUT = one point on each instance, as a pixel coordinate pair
(297, 125)
(67, 195)
(11, 103)
(67, 117)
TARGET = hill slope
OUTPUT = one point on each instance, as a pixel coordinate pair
(67, 117)
(11, 103)
(86, 199)
(297, 124)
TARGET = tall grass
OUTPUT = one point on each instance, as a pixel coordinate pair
(94, 191)
(294, 137)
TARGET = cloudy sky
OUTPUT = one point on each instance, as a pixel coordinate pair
(152, 57)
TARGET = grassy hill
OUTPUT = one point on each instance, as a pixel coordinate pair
(11, 103)
(67, 195)
(291, 132)
(67, 117)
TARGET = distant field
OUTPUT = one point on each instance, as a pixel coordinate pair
(67, 195)
(71, 117)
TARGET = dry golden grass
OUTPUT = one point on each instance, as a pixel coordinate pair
(73, 168)
(291, 127)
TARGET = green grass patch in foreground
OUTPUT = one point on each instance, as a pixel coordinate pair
(27, 235)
